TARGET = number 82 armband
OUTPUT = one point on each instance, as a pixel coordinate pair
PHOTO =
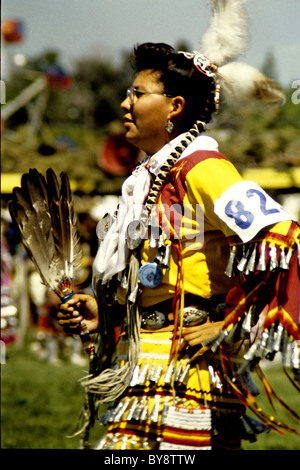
(246, 209)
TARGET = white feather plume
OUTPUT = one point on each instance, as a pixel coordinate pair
(225, 39)
(240, 81)
(227, 35)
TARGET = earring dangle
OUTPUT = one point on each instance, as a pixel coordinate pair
(169, 126)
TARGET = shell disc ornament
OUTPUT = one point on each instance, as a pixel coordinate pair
(150, 275)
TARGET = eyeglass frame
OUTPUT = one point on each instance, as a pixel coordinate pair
(131, 92)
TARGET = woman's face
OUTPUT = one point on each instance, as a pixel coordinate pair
(146, 114)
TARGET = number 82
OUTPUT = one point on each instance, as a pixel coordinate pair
(242, 217)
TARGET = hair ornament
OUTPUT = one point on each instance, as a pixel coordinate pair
(201, 62)
(217, 98)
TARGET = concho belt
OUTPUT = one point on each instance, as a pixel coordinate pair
(155, 320)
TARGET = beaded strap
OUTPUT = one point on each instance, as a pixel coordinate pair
(169, 163)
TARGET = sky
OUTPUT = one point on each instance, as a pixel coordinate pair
(80, 28)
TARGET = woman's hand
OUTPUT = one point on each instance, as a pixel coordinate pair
(194, 336)
(78, 307)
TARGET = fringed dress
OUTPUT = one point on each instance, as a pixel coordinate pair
(227, 249)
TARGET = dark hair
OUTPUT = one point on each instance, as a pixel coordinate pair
(180, 78)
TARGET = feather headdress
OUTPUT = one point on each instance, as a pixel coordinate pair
(225, 39)
(42, 210)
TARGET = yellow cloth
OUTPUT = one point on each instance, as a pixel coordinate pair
(193, 185)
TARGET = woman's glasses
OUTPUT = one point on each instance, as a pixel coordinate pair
(133, 93)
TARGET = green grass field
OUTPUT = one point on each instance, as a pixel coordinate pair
(41, 403)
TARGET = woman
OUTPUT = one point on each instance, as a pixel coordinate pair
(198, 175)
(174, 272)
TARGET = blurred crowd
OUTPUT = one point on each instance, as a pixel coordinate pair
(28, 308)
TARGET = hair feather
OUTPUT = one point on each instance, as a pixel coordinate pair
(227, 34)
(240, 81)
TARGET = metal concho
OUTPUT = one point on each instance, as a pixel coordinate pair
(136, 232)
(103, 226)
(153, 320)
(193, 316)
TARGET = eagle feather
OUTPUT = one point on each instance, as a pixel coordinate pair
(44, 215)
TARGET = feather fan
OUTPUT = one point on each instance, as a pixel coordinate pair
(42, 210)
